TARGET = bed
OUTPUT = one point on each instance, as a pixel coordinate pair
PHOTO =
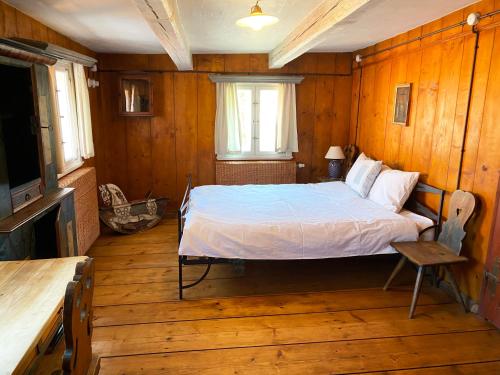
(219, 224)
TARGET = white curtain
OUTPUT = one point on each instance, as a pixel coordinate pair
(60, 163)
(228, 135)
(83, 112)
(286, 132)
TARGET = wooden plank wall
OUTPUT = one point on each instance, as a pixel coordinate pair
(440, 68)
(14, 23)
(158, 152)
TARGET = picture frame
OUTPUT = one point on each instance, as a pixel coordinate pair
(136, 95)
(402, 95)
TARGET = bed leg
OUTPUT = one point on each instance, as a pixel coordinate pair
(180, 277)
(239, 266)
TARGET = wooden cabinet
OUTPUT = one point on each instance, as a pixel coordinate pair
(37, 218)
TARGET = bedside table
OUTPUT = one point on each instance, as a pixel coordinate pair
(329, 179)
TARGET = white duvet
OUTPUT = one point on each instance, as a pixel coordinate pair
(299, 221)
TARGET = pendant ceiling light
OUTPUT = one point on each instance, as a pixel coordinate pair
(257, 19)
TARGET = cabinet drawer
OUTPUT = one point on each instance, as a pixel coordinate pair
(25, 194)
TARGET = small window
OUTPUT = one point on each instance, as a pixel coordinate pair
(258, 112)
(67, 112)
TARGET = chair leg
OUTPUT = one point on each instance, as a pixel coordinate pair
(416, 291)
(396, 270)
(435, 276)
(460, 299)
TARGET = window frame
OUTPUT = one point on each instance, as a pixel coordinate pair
(255, 154)
(77, 162)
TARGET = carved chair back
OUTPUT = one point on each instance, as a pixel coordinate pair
(462, 204)
(350, 152)
(77, 320)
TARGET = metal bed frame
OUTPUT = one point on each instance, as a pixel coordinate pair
(413, 205)
(184, 260)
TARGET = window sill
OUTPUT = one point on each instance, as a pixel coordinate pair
(71, 168)
(253, 158)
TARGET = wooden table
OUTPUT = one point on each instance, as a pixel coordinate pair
(31, 300)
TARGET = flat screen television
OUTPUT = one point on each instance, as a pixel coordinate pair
(18, 131)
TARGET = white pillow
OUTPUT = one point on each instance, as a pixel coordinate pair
(362, 174)
(392, 188)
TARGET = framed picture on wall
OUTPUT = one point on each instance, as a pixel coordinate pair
(136, 95)
(401, 104)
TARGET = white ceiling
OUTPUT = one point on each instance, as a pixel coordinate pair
(117, 26)
(102, 25)
(210, 24)
(382, 19)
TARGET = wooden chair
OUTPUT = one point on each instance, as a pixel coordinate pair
(76, 350)
(443, 252)
(77, 322)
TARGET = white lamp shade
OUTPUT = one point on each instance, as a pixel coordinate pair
(335, 153)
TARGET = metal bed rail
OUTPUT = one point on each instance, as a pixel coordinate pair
(184, 260)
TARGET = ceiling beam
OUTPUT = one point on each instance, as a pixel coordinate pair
(308, 33)
(163, 18)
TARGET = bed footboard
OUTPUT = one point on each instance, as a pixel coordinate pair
(185, 260)
(181, 213)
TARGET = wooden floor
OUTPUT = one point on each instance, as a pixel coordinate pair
(315, 317)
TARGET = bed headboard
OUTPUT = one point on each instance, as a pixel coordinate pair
(414, 205)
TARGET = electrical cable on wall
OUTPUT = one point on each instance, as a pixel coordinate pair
(358, 60)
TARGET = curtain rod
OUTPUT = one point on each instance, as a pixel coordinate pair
(254, 78)
(48, 50)
(416, 39)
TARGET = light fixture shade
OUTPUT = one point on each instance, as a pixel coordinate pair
(257, 19)
(335, 153)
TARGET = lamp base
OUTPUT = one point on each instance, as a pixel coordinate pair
(335, 168)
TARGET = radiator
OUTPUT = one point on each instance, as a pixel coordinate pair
(83, 180)
(255, 172)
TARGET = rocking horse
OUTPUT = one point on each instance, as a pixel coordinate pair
(129, 217)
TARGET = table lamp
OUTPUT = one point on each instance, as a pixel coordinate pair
(336, 156)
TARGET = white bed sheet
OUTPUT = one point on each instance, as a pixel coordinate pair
(422, 222)
(297, 221)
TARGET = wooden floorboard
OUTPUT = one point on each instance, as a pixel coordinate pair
(161, 274)
(310, 317)
(280, 304)
(480, 368)
(166, 247)
(282, 329)
(107, 295)
(343, 357)
(135, 261)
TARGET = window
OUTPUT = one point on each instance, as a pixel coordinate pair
(68, 120)
(258, 113)
(255, 117)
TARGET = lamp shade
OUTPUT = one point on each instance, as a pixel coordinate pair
(257, 19)
(335, 153)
